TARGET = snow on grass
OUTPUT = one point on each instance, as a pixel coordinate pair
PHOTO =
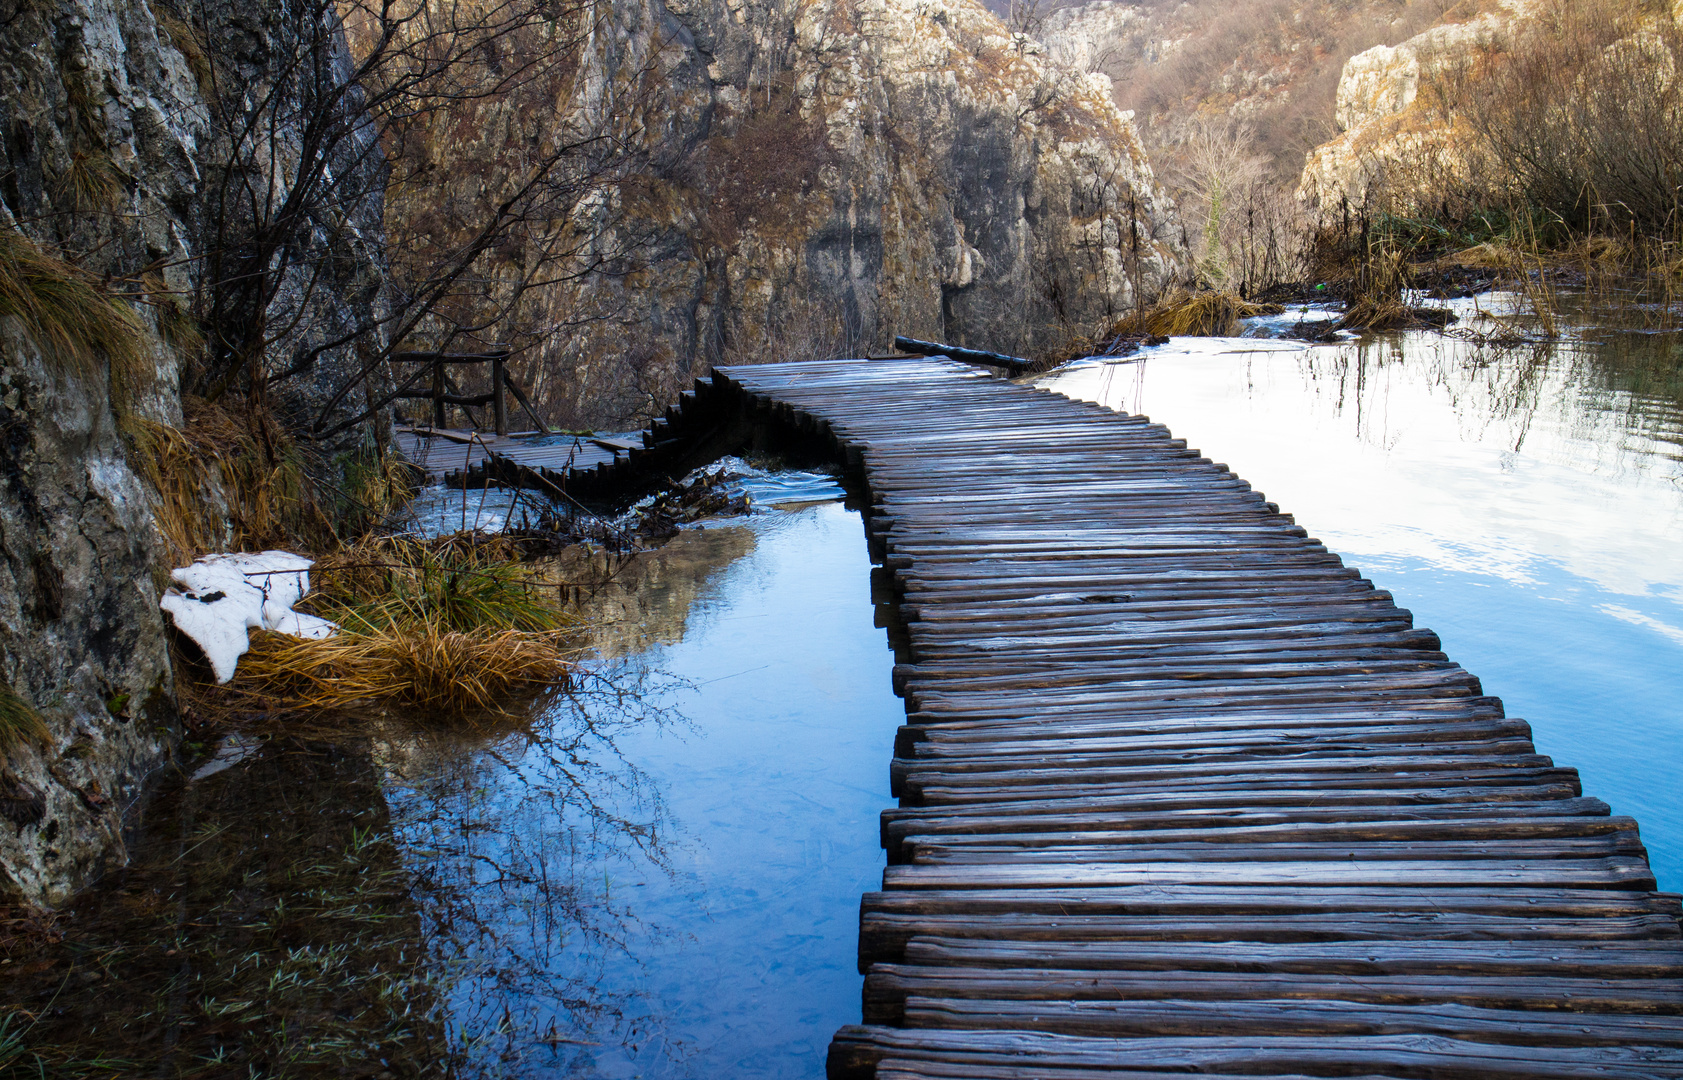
(221, 598)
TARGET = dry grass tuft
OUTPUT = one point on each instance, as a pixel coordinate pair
(448, 628)
(428, 668)
(1198, 314)
(396, 582)
(1390, 313)
(227, 484)
(91, 184)
(66, 313)
(176, 323)
(20, 724)
(235, 480)
(187, 38)
(188, 513)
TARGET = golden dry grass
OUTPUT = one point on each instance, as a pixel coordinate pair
(91, 184)
(188, 513)
(230, 480)
(443, 629)
(426, 668)
(69, 316)
(20, 724)
(1192, 314)
(453, 583)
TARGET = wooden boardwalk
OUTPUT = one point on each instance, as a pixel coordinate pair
(1180, 792)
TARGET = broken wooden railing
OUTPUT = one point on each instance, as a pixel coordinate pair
(443, 392)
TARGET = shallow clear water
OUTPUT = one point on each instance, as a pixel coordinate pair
(658, 878)
(661, 876)
(1524, 502)
(734, 922)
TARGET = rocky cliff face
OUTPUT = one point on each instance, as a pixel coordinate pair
(1393, 138)
(111, 153)
(1538, 103)
(796, 179)
(1270, 65)
(824, 176)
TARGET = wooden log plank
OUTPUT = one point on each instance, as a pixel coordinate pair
(1196, 901)
(883, 936)
(926, 851)
(1133, 1019)
(1610, 873)
(887, 986)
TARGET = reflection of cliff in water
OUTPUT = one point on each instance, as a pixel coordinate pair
(646, 599)
(395, 902)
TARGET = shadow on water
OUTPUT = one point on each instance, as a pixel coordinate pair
(266, 925)
(390, 902)
(642, 881)
(377, 898)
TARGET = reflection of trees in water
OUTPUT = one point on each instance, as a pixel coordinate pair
(1640, 379)
(378, 897)
(1623, 391)
(516, 843)
(388, 902)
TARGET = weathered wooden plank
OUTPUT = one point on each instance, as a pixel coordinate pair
(1133, 1019)
(1608, 873)
(883, 936)
(1193, 813)
(1195, 795)
(887, 986)
(1042, 851)
(956, 1053)
(1602, 959)
(1195, 901)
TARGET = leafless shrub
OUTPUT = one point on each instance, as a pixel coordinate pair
(360, 104)
(1585, 109)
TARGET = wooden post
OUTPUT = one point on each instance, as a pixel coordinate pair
(499, 403)
(438, 391)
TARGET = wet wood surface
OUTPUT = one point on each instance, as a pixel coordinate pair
(1180, 792)
(447, 452)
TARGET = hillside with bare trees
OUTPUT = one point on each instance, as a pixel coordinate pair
(1231, 97)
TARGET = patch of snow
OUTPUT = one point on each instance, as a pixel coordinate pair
(221, 598)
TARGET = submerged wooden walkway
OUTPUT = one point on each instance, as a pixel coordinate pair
(447, 452)
(1180, 792)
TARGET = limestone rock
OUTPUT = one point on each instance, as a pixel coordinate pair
(109, 156)
(1392, 137)
(841, 171)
